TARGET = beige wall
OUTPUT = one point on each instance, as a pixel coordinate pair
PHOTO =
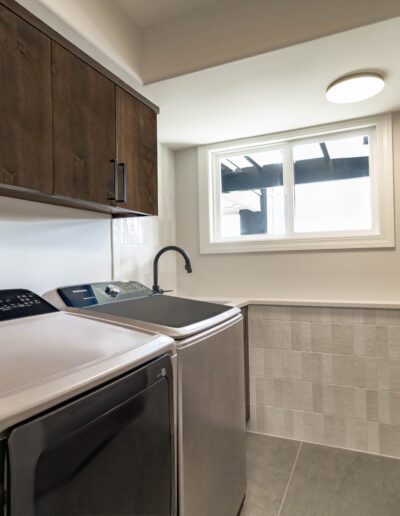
(236, 29)
(366, 275)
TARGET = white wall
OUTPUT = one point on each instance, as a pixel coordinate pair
(136, 240)
(365, 275)
(44, 246)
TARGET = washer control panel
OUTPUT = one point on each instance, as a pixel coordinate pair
(81, 296)
(18, 303)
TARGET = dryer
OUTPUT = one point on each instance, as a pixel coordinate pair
(210, 383)
(86, 414)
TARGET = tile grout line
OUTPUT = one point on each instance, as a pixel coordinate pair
(290, 479)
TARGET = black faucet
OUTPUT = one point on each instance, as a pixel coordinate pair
(188, 265)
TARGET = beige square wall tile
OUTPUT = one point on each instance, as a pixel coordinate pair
(373, 437)
(317, 396)
(328, 399)
(360, 409)
(313, 427)
(356, 434)
(252, 389)
(321, 314)
(256, 361)
(277, 313)
(317, 367)
(269, 391)
(389, 440)
(393, 341)
(302, 313)
(259, 390)
(394, 371)
(372, 405)
(321, 337)
(301, 335)
(292, 364)
(387, 317)
(389, 407)
(342, 315)
(256, 334)
(371, 372)
(273, 363)
(273, 335)
(274, 421)
(288, 424)
(334, 431)
(256, 312)
(298, 426)
(342, 339)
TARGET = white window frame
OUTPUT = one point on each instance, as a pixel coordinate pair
(382, 234)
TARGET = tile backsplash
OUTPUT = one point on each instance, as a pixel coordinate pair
(326, 375)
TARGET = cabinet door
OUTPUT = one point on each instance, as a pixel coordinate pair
(83, 129)
(137, 153)
(25, 105)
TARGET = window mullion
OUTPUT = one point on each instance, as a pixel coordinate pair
(288, 182)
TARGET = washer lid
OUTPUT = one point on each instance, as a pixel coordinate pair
(173, 316)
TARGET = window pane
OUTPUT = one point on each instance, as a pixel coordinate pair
(252, 196)
(332, 185)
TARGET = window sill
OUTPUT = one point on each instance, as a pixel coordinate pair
(297, 243)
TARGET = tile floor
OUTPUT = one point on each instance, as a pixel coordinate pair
(289, 478)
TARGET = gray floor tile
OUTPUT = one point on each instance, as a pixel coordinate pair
(332, 482)
(270, 461)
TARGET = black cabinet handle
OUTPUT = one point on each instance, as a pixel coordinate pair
(115, 198)
(124, 193)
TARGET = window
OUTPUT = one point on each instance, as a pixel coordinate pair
(329, 187)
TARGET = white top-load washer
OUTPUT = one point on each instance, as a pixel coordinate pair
(210, 383)
(86, 414)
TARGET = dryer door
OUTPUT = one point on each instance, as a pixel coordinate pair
(109, 452)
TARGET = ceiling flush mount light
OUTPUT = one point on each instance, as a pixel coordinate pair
(356, 87)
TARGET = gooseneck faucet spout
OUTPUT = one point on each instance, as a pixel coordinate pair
(188, 265)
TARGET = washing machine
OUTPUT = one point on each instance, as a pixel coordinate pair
(86, 414)
(209, 379)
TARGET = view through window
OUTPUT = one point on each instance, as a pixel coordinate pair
(327, 188)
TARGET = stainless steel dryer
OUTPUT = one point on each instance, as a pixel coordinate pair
(86, 414)
(210, 380)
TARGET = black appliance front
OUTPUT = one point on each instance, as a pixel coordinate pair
(2, 475)
(110, 452)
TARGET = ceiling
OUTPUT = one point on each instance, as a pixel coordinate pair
(277, 91)
(148, 12)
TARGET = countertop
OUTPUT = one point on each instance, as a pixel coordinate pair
(241, 302)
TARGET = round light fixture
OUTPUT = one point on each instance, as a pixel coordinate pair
(356, 87)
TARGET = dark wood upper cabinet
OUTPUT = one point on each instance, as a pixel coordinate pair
(147, 157)
(83, 129)
(137, 153)
(25, 105)
(71, 133)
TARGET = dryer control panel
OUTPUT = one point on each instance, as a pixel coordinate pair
(16, 303)
(81, 296)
